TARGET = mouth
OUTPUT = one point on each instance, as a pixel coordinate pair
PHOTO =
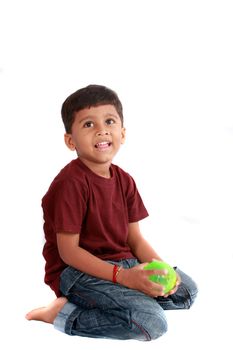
(103, 145)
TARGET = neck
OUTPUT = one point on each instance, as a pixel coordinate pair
(99, 169)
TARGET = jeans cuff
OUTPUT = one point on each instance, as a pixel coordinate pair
(62, 317)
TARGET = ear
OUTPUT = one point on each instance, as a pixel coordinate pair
(123, 135)
(69, 142)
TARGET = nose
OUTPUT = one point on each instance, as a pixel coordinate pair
(102, 133)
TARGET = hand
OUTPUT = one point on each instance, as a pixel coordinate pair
(138, 278)
(178, 280)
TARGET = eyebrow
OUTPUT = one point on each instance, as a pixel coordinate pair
(88, 117)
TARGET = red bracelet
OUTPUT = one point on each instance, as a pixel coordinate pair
(116, 270)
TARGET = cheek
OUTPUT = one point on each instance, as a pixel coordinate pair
(82, 142)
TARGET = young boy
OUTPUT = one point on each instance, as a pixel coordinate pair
(94, 250)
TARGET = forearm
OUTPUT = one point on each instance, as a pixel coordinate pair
(86, 262)
(141, 249)
(136, 278)
(73, 255)
(144, 252)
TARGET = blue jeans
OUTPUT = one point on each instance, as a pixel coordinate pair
(101, 309)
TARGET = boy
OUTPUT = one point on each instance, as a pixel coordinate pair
(94, 250)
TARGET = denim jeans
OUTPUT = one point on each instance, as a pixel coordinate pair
(101, 309)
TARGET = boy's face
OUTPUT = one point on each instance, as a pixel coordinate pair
(97, 135)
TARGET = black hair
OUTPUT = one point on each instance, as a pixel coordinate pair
(89, 96)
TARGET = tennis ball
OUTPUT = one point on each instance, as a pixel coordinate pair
(168, 280)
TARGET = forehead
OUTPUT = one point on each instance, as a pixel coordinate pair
(97, 112)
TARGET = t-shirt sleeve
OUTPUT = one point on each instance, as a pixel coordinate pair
(64, 207)
(136, 208)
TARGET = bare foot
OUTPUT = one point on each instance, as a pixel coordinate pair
(47, 313)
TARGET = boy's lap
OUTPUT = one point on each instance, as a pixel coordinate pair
(87, 291)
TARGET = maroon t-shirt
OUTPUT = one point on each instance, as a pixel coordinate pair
(99, 209)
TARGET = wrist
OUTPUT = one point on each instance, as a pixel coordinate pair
(116, 271)
(120, 276)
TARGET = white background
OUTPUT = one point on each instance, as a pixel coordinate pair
(171, 64)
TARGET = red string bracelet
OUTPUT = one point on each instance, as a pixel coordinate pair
(116, 270)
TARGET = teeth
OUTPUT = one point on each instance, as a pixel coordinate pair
(102, 143)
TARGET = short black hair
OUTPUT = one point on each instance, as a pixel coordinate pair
(89, 96)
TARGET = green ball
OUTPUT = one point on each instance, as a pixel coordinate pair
(169, 280)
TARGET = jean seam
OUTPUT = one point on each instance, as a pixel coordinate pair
(69, 323)
(146, 334)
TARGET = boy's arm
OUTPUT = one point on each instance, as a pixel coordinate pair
(141, 249)
(81, 259)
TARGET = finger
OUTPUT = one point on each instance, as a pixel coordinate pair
(178, 278)
(156, 294)
(141, 266)
(177, 285)
(166, 295)
(157, 289)
(172, 291)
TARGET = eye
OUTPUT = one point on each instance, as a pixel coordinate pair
(88, 124)
(110, 121)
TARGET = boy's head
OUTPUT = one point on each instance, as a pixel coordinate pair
(89, 96)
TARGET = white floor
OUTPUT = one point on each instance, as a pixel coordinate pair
(171, 64)
(206, 325)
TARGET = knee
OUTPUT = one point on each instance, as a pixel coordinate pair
(151, 327)
(157, 326)
(187, 290)
(193, 293)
